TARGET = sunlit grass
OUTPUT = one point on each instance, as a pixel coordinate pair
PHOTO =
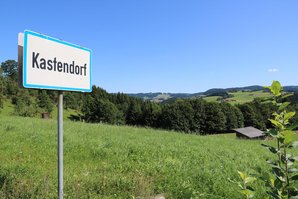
(104, 161)
(240, 97)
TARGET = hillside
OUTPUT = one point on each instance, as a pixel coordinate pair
(103, 161)
(161, 97)
(8, 110)
(239, 97)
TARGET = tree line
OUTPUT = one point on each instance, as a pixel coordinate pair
(186, 115)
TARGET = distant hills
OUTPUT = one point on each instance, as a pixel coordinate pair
(160, 97)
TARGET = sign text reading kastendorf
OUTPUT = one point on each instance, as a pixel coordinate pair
(39, 62)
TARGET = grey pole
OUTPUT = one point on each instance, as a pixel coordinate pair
(60, 144)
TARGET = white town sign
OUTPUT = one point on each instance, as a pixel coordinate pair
(50, 63)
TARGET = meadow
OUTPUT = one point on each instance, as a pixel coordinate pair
(104, 161)
(240, 97)
(9, 110)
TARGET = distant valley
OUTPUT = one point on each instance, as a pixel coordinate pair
(210, 95)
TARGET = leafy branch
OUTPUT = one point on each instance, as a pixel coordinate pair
(281, 185)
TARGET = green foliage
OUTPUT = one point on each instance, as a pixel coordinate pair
(178, 116)
(44, 101)
(122, 101)
(240, 117)
(199, 117)
(24, 106)
(11, 87)
(245, 185)
(1, 101)
(88, 108)
(283, 168)
(282, 182)
(187, 115)
(71, 100)
(264, 110)
(275, 88)
(231, 113)
(215, 118)
(134, 113)
(101, 110)
(9, 69)
(248, 115)
(1, 91)
(151, 112)
(252, 116)
(108, 112)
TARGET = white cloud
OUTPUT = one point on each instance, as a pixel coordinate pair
(273, 70)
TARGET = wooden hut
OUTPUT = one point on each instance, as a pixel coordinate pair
(45, 115)
(249, 133)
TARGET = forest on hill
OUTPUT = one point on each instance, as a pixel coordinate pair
(189, 115)
(165, 97)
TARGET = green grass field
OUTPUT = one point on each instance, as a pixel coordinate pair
(240, 97)
(8, 110)
(103, 161)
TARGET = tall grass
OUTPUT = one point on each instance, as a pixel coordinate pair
(103, 161)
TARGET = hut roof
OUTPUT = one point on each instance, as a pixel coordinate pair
(250, 132)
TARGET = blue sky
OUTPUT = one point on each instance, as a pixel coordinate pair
(168, 45)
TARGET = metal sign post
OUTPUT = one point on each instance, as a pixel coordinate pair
(53, 64)
(60, 144)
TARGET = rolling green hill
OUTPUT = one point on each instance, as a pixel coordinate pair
(239, 97)
(163, 97)
(103, 161)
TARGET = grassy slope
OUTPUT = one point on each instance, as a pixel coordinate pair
(211, 98)
(241, 97)
(8, 110)
(103, 161)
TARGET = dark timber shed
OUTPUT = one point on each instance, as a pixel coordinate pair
(249, 133)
